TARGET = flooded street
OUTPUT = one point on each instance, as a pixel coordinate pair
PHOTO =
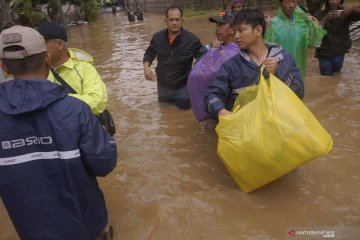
(169, 183)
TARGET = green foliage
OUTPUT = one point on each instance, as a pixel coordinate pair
(27, 17)
(38, 18)
(28, 9)
(91, 9)
(52, 9)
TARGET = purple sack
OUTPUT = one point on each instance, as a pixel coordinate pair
(202, 72)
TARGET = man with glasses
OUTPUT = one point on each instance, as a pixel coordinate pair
(74, 67)
(175, 49)
(295, 31)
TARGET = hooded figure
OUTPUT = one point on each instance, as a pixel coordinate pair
(237, 5)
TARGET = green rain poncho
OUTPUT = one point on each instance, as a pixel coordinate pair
(295, 36)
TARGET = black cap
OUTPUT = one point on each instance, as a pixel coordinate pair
(227, 17)
(51, 30)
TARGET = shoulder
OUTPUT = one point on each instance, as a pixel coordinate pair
(233, 62)
(286, 61)
(160, 33)
(275, 20)
(278, 52)
(82, 60)
(70, 105)
(84, 64)
(84, 70)
(80, 55)
(286, 55)
(190, 35)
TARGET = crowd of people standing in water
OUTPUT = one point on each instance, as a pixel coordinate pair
(135, 11)
(287, 37)
(53, 146)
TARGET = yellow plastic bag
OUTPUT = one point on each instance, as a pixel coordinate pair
(269, 136)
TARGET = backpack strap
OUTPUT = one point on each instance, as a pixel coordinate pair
(62, 81)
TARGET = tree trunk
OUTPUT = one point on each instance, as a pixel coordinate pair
(77, 11)
(5, 14)
(60, 12)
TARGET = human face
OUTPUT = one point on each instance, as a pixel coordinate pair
(174, 21)
(54, 48)
(237, 7)
(288, 7)
(224, 32)
(246, 36)
(334, 4)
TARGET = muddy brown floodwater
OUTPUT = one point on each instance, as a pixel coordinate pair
(169, 183)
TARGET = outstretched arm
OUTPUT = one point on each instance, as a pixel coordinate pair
(352, 12)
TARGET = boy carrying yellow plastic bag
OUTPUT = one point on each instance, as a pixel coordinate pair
(264, 129)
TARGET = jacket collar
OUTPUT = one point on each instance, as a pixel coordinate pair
(69, 63)
(298, 15)
(275, 52)
(77, 55)
(178, 37)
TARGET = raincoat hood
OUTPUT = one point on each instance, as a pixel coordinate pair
(22, 96)
(298, 15)
(80, 55)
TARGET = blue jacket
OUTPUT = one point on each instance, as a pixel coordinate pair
(52, 148)
(239, 72)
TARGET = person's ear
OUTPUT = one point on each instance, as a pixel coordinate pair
(47, 60)
(62, 44)
(47, 65)
(4, 67)
(258, 30)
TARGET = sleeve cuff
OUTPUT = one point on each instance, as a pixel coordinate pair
(215, 105)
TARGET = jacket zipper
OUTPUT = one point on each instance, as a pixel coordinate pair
(170, 64)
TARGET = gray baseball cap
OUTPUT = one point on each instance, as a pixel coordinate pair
(28, 38)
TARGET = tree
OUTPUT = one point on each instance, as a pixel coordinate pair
(5, 14)
(91, 9)
(55, 11)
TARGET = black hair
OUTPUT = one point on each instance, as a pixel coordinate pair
(28, 64)
(251, 16)
(173, 7)
(327, 4)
